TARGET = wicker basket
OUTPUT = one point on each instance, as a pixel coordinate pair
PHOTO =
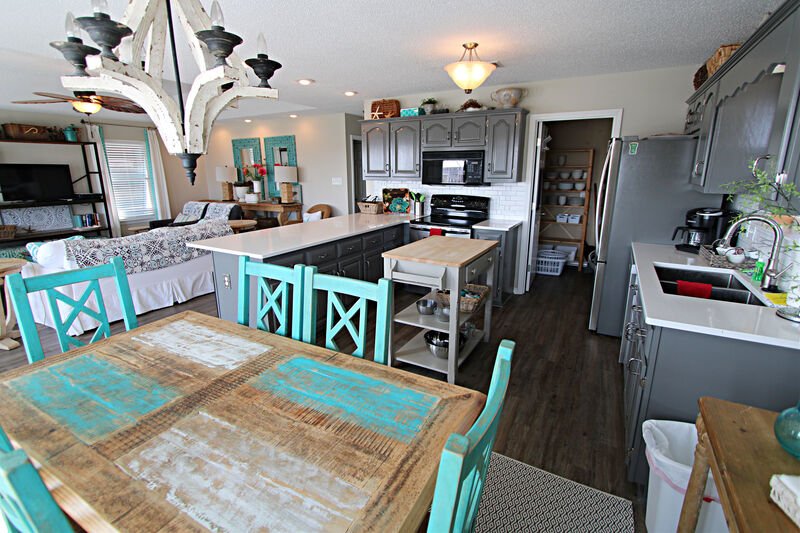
(720, 261)
(700, 77)
(465, 305)
(722, 54)
(386, 108)
(371, 208)
(8, 232)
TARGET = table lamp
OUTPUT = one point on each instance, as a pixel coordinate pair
(286, 176)
(224, 177)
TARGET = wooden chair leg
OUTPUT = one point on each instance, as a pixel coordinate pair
(695, 491)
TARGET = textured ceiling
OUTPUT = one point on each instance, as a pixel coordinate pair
(393, 48)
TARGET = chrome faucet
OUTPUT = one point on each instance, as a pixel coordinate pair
(771, 273)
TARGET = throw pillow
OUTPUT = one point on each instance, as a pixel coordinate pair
(310, 217)
(180, 219)
(51, 254)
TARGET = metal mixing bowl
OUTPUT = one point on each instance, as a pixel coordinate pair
(426, 306)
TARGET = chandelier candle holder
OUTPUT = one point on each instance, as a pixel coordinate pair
(184, 127)
(73, 48)
(262, 65)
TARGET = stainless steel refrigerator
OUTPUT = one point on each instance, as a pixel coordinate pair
(643, 193)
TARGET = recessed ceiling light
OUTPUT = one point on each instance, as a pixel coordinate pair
(292, 116)
(350, 93)
(305, 82)
(248, 120)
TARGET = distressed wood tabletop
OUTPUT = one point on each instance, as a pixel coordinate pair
(194, 423)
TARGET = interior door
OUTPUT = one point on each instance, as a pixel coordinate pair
(542, 139)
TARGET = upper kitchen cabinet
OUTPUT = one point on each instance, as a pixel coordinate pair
(457, 132)
(375, 150)
(741, 112)
(501, 155)
(404, 149)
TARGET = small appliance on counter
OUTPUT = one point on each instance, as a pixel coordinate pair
(704, 225)
(462, 167)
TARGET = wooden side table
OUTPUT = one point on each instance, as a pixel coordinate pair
(283, 210)
(8, 320)
(738, 443)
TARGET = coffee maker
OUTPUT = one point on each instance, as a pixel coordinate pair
(704, 225)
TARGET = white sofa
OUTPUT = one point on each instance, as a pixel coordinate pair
(178, 280)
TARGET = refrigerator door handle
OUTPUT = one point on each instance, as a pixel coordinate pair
(599, 203)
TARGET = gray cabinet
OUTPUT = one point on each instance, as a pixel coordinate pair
(375, 149)
(506, 261)
(469, 131)
(404, 149)
(501, 147)
(436, 132)
(373, 265)
(703, 114)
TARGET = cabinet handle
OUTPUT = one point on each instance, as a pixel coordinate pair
(448, 135)
(636, 308)
(697, 168)
(386, 167)
(417, 167)
(489, 167)
(472, 271)
(489, 260)
(455, 136)
(627, 331)
(638, 370)
(323, 256)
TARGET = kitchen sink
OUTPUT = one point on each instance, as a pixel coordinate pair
(724, 286)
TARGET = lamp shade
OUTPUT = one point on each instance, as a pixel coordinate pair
(470, 73)
(223, 174)
(84, 106)
(285, 174)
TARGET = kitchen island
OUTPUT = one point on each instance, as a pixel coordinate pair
(676, 349)
(349, 245)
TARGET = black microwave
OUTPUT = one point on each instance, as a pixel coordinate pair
(453, 168)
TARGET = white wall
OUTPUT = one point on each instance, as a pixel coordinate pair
(322, 151)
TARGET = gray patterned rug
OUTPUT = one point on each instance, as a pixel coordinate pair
(519, 497)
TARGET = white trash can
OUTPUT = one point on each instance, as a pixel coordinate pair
(670, 454)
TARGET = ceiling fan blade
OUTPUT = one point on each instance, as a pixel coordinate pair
(39, 102)
(123, 107)
(56, 96)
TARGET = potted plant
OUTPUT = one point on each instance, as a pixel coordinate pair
(428, 105)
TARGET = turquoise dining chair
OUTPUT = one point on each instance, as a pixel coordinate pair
(19, 288)
(272, 301)
(338, 317)
(25, 502)
(465, 458)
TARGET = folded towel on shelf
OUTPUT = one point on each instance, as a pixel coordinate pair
(786, 494)
(694, 289)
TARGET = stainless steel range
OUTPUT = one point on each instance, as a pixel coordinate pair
(451, 214)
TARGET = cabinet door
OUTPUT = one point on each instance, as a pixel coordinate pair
(499, 268)
(635, 375)
(375, 149)
(351, 268)
(436, 132)
(469, 131)
(405, 149)
(704, 116)
(373, 266)
(742, 130)
(500, 148)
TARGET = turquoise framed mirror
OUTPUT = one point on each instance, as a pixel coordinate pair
(282, 150)
(246, 152)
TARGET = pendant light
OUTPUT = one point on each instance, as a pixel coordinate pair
(470, 74)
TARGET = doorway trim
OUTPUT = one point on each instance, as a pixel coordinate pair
(531, 156)
(352, 164)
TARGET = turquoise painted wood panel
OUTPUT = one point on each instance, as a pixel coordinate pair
(370, 403)
(92, 397)
(237, 146)
(281, 141)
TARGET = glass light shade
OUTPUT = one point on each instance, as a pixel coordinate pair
(100, 6)
(468, 74)
(71, 26)
(223, 174)
(89, 108)
(216, 15)
(285, 174)
(261, 44)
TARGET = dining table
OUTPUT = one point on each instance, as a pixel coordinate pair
(192, 423)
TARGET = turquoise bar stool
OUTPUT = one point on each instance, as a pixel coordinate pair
(272, 300)
(352, 319)
(20, 287)
(25, 502)
(465, 458)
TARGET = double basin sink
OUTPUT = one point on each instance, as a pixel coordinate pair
(725, 287)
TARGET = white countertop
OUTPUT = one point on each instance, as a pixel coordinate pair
(723, 319)
(284, 239)
(498, 224)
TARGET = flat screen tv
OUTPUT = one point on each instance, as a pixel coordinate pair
(40, 183)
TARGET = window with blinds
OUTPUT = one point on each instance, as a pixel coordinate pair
(133, 193)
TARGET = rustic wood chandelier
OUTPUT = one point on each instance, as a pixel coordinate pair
(147, 28)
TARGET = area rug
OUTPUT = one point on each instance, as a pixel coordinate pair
(519, 497)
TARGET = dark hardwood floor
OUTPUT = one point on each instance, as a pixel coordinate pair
(563, 412)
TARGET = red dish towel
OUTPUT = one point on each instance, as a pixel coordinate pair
(694, 289)
(436, 231)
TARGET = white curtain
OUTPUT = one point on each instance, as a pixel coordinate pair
(159, 176)
(95, 134)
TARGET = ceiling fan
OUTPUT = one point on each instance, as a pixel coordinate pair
(87, 102)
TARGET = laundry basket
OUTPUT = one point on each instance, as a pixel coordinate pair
(550, 262)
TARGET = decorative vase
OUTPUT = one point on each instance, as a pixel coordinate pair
(257, 186)
(787, 430)
(241, 191)
(428, 108)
